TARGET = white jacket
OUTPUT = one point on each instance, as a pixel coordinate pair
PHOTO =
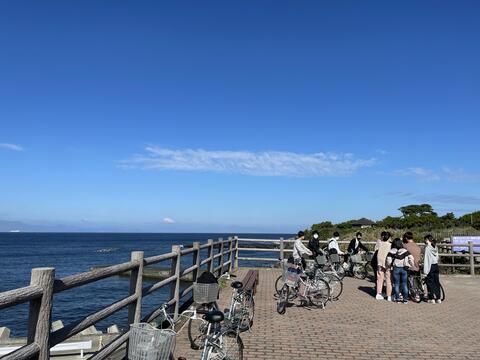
(299, 249)
(333, 244)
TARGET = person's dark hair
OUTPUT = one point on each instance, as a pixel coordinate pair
(430, 238)
(300, 234)
(335, 234)
(407, 236)
(397, 243)
(315, 232)
(386, 235)
(358, 233)
(382, 234)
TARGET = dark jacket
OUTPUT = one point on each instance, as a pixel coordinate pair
(351, 247)
(314, 246)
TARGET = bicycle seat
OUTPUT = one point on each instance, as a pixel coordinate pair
(214, 316)
(237, 285)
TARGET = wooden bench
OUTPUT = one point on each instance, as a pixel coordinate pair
(250, 281)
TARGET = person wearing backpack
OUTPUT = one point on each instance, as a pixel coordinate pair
(430, 268)
(399, 260)
(333, 247)
(382, 248)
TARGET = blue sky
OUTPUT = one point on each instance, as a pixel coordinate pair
(236, 116)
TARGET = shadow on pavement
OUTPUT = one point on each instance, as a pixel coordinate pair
(368, 290)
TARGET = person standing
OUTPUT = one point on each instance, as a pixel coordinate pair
(382, 247)
(399, 260)
(430, 268)
(414, 271)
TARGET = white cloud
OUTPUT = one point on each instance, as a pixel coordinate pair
(459, 175)
(267, 163)
(382, 152)
(168, 220)
(418, 173)
(437, 198)
(12, 147)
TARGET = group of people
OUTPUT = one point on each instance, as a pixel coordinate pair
(396, 260)
(393, 261)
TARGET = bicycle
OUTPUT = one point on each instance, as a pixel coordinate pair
(359, 266)
(219, 343)
(315, 269)
(150, 341)
(417, 287)
(315, 291)
(242, 307)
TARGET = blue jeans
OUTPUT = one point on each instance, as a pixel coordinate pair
(400, 282)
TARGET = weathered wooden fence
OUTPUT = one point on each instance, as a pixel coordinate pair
(44, 285)
(284, 247)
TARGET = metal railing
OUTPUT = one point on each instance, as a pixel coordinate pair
(43, 285)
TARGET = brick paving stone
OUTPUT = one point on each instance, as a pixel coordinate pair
(359, 327)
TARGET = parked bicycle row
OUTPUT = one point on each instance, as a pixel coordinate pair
(215, 333)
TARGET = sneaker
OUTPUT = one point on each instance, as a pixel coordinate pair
(431, 301)
(379, 297)
(389, 298)
(405, 301)
(439, 301)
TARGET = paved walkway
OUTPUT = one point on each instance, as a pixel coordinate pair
(359, 327)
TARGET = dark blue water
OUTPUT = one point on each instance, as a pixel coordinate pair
(78, 252)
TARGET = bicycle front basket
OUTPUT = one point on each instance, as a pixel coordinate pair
(149, 343)
(334, 258)
(358, 258)
(369, 256)
(205, 293)
(321, 259)
(310, 266)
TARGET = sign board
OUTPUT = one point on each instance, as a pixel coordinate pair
(464, 240)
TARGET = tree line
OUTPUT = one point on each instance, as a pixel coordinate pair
(414, 217)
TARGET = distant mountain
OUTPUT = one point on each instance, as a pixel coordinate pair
(18, 226)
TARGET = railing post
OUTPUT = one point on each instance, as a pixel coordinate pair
(230, 254)
(236, 252)
(196, 260)
(210, 255)
(220, 259)
(136, 284)
(175, 285)
(282, 248)
(472, 259)
(40, 311)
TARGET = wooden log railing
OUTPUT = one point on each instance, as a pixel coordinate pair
(43, 285)
(284, 247)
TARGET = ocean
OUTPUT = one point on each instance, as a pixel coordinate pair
(71, 253)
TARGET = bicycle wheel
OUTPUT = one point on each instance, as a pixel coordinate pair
(359, 271)
(197, 329)
(320, 293)
(415, 289)
(282, 300)
(226, 346)
(197, 333)
(336, 285)
(442, 293)
(279, 286)
(245, 312)
(340, 271)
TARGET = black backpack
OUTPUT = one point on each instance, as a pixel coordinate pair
(207, 278)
